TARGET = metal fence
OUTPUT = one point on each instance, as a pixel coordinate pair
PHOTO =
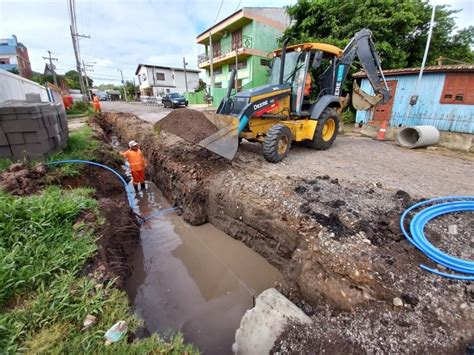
(227, 47)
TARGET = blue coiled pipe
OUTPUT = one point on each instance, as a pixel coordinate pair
(130, 195)
(431, 209)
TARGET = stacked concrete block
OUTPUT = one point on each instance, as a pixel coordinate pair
(32, 130)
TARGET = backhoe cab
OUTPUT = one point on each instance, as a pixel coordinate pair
(300, 101)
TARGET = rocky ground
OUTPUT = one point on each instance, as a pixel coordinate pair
(332, 228)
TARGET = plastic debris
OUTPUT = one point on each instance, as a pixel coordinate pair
(89, 320)
(116, 332)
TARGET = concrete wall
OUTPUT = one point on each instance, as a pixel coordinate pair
(428, 110)
(32, 130)
(15, 87)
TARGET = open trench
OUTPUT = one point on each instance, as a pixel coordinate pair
(337, 245)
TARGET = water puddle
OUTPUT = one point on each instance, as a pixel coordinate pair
(196, 280)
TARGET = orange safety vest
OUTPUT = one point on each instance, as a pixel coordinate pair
(135, 159)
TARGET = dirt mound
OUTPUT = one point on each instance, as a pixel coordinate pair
(191, 125)
(19, 180)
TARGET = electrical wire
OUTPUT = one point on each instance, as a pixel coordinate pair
(432, 209)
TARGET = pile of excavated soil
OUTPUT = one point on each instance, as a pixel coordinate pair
(191, 125)
(19, 180)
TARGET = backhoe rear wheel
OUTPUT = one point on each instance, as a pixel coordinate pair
(326, 130)
(277, 143)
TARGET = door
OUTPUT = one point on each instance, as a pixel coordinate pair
(216, 49)
(236, 40)
(383, 112)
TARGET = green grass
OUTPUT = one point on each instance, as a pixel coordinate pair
(81, 145)
(4, 164)
(43, 298)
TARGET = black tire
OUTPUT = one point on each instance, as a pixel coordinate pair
(277, 143)
(186, 104)
(323, 138)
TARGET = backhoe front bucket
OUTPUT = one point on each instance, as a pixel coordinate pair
(363, 101)
(226, 140)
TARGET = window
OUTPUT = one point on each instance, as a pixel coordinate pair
(218, 85)
(241, 65)
(4, 61)
(160, 76)
(217, 71)
(458, 89)
(265, 62)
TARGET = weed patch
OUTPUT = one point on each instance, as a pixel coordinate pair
(81, 145)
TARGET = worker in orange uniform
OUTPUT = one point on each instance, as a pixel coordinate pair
(96, 101)
(307, 85)
(137, 164)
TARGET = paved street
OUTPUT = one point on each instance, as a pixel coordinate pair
(148, 113)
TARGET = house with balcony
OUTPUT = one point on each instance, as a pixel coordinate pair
(245, 40)
(157, 80)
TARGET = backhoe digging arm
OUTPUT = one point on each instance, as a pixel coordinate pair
(362, 46)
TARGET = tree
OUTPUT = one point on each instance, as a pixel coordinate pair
(14, 71)
(399, 27)
(202, 85)
(73, 82)
(131, 89)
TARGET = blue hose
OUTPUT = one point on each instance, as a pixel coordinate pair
(130, 195)
(416, 236)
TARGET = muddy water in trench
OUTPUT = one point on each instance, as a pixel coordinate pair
(196, 280)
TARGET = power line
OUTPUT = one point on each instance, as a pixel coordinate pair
(237, 7)
(218, 11)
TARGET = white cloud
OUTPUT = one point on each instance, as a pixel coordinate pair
(125, 33)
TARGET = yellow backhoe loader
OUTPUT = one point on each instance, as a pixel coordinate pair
(282, 112)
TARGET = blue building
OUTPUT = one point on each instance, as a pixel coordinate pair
(14, 55)
(445, 98)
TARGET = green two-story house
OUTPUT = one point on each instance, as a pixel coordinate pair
(246, 39)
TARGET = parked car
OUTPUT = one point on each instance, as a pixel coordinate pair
(102, 95)
(174, 100)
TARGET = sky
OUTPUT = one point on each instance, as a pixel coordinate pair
(126, 33)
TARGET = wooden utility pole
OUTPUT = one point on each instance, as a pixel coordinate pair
(211, 57)
(123, 85)
(185, 76)
(52, 67)
(75, 45)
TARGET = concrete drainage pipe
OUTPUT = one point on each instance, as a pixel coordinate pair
(418, 136)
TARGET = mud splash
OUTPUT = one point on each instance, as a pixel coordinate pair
(196, 280)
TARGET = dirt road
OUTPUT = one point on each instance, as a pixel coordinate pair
(150, 114)
(420, 172)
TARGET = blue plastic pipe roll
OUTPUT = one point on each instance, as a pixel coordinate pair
(130, 195)
(430, 209)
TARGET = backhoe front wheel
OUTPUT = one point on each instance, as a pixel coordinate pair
(277, 143)
(326, 130)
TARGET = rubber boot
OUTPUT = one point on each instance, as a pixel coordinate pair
(142, 185)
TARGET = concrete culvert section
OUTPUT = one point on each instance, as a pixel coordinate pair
(418, 136)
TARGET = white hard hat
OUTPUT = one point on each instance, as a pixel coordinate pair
(132, 144)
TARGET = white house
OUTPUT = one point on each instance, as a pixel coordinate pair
(155, 80)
